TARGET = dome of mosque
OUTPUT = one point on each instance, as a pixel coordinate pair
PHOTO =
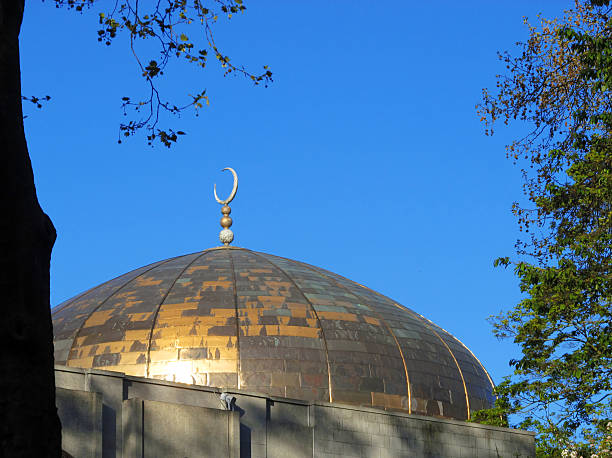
(234, 318)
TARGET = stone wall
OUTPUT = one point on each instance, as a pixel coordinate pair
(108, 414)
(358, 432)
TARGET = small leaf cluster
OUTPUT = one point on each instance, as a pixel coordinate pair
(77, 5)
(37, 101)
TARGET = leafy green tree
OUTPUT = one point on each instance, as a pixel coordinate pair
(170, 30)
(560, 86)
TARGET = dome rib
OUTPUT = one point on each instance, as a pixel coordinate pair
(425, 321)
(478, 361)
(148, 363)
(238, 362)
(314, 311)
(76, 334)
(469, 351)
(379, 317)
(467, 399)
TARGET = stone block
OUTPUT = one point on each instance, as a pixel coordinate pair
(372, 427)
(352, 437)
(354, 423)
(370, 452)
(131, 425)
(70, 379)
(329, 447)
(434, 448)
(384, 429)
(158, 429)
(171, 393)
(327, 418)
(379, 440)
(468, 452)
(253, 420)
(388, 453)
(111, 388)
(286, 412)
(325, 455)
(480, 453)
(401, 443)
(448, 449)
(257, 451)
(352, 450)
(80, 413)
(465, 440)
(286, 439)
(324, 434)
(484, 443)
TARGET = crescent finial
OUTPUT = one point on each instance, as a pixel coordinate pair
(226, 236)
(234, 189)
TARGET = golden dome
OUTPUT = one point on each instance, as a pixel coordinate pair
(235, 318)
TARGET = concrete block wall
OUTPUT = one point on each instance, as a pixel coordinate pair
(360, 432)
(109, 414)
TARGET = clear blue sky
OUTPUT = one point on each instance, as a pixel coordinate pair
(365, 156)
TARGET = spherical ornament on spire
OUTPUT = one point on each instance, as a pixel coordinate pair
(226, 236)
(226, 222)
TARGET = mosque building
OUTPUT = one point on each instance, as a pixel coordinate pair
(233, 320)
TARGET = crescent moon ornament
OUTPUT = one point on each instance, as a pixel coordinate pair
(234, 189)
(226, 236)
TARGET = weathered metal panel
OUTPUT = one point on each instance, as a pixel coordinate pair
(69, 316)
(115, 336)
(282, 351)
(194, 339)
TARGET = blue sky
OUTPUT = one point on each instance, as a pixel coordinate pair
(365, 156)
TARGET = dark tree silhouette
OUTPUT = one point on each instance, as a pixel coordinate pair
(29, 425)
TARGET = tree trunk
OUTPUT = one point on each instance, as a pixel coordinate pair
(29, 425)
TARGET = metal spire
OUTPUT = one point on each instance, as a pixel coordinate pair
(226, 235)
